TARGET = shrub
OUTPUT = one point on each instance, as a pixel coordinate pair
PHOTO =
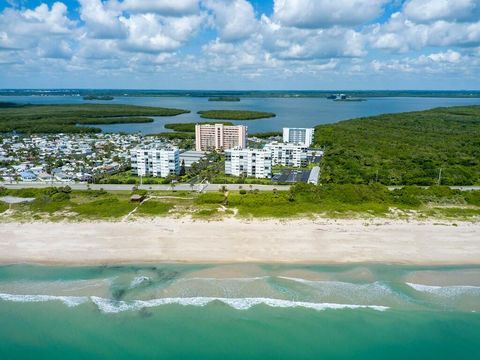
(243, 192)
(66, 189)
(61, 196)
(154, 208)
(210, 198)
(473, 197)
(109, 207)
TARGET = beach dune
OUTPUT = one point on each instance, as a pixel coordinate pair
(240, 241)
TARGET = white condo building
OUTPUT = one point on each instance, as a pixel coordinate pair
(250, 162)
(219, 137)
(302, 136)
(288, 154)
(155, 161)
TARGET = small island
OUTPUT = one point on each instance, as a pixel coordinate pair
(266, 135)
(190, 127)
(65, 118)
(98, 97)
(344, 97)
(235, 114)
(224, 98)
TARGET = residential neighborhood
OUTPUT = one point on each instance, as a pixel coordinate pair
(64, 157)
(88, 157)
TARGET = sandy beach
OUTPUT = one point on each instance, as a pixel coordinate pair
(237, 241)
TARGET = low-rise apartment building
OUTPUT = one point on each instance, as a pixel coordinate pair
(288, 154)
(219, 137)
(155, 161)
(248, 162)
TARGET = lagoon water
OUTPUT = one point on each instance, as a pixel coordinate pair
(239, 311)
(290, 111)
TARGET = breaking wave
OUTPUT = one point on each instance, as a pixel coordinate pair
(113, 306)
(70, 301)
(109, 306)
(454, 290)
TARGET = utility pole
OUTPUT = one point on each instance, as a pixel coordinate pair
(439, 177)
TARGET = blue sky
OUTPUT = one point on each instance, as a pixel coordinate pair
(240, 44)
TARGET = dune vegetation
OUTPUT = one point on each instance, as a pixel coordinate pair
(334, 200)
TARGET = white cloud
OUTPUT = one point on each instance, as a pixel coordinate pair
(294, 43)
(153, 33)
(447, 62)
(140, 26)
(447, 56)
(401, 34)
(24, 29)
(234, 19)
(162, 7)
(431, 10)
(300, 38)
(55, 49)
(326, 13)
(101, 21)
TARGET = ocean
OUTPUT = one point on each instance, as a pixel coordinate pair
(290, 111)
(250, 311)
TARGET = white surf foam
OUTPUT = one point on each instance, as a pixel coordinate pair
(453, 290)
(333, 283)
(376, 288)
(70, 301)
(111, 306)
(239, 279)
(114, 306)
(139, 280)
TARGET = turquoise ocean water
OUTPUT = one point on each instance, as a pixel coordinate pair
(175, 311)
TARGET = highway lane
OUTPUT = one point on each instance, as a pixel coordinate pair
(178, 186)
(128, 187)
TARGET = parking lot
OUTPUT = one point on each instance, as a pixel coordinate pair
(292, 176)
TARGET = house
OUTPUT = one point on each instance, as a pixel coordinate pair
(28, 176)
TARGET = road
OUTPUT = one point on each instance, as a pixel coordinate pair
(188, 187)
(123, 187)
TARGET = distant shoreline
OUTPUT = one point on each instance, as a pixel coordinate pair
(320, 241)
(242, 93)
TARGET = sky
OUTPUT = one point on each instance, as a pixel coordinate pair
(240, 44)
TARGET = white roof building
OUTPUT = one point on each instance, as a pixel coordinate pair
(250, 162)
(288, 154)
(155, 161)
